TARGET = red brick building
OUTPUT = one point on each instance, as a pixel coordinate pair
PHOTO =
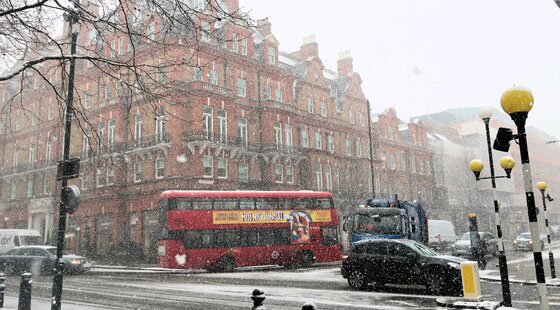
(404, 159)
(247, 117)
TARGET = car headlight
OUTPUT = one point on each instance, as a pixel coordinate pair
(530, 241)
(514, 241)
(75, 261)
(454, 265)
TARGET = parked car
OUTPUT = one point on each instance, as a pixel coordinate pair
(523, 242)
(441, 234)
(40, 259)
(401, 261)
(462, 247)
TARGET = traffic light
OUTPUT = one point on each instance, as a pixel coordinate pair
(503, 137)
(72, 198)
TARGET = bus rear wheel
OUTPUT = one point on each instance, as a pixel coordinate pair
(226, 264)
(306, 259)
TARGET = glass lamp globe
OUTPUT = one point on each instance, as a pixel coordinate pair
(485, 113)
(517, 99)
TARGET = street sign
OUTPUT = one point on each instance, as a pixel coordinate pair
(68, 169)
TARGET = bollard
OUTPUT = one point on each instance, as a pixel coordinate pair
(2, 289)
(25, 292)
(471, 281)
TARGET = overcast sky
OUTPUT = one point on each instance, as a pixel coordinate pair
(427, 56)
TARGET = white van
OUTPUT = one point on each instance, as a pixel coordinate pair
(441, 234)
(10, 238)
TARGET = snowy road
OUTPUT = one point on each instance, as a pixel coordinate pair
(285, 289)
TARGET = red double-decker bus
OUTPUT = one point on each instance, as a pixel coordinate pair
(221, 230)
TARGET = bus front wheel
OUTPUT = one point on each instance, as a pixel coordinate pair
(226, 264)
(306, 259)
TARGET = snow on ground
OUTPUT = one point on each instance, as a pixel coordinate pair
(343, 299)
(314, 275)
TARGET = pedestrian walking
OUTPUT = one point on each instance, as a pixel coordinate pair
(482, 252)
(309, 306)
(258, 299)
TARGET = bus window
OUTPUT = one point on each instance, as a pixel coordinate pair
(227, 238)
(323, 203)
(226, 204)
(202, 204)
(284, 204)
(304, 204)
(167, 204)
(248, 237)
(180, 204)
(266, 204)
(273, 236)
(246, 203)
(193, 239)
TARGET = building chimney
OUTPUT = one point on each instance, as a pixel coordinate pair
(344, 64)
(232, 6)
(310, 48)
(264, 27)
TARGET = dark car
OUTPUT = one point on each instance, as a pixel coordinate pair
(400, 261)
(462, 247)
(523, 242)
(40, 259)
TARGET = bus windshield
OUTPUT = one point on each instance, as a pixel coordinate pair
(377, 224)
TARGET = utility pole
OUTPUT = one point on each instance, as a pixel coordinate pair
(370, 151)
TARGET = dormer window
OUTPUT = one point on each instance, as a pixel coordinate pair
(271, 55)
(235, 43)
(244, 46)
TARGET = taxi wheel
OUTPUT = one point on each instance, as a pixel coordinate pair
(357, 279)
(436, 282)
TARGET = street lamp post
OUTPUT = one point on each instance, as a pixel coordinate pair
(507, 164)
(517, 102)
(542, 186)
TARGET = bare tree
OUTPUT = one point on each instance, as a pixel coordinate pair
(132, 55)
(136, 50)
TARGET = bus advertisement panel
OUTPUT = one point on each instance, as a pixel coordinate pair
(221, 230)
